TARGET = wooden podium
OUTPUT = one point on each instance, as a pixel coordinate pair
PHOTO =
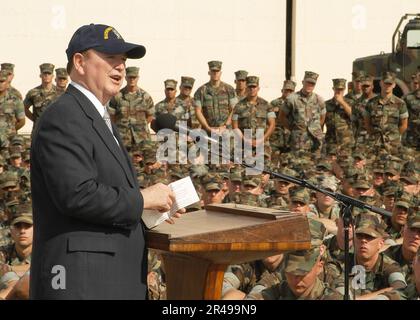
(197, 249)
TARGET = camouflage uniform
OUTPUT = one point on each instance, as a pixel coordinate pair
(189, 103)
(253, 116)
(403, 200)
(385, 117)
(395, 253)
(131, 111)
(11, 111)
(177, 108)
(9, 254)
(298, 263)
(361, 136)
(38, 97)
(279, 140)
(216, 102)
(386, 272)
(408, 293)
(413, 131)
(338, 122)
(9, 68)
(245, 276)
(304, 117)
(156, 278)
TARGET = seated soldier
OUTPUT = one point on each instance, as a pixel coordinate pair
(378, 273)
(405, 252)
(279, 199)
(16, 258)
(213, 186)
(330, 272)
(399, 217)
(252, 193)
(239, 279)
(299, 201)
(302, 269)
(325, 208)
(412, 291)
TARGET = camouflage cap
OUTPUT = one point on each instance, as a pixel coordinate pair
(357, 75)
(198, 170)
(413, 220)
(371, 225)
(412, 179)
(393, 167)
(9, 179)
(132, 71)
(236, 176)
(17, 140)
(299, 194)
(9, 67)
(339, 83)
(289, 85)
(362, 182)
(366, 80)
(252, 81)
(318, 232)
(301, 262)
(288, 172)
(358, 155)
(212, 182)
(61, 73)
(311, 76)
(26, 218)
(170, 84)
(23, 213)
(329, 182)
(388, 77)
(3, 75)
(215, 65)
(324, 165)
(46, 68)
(187, 82)
(241, 75)
(404, 200)
(15, 155)
(252, 180)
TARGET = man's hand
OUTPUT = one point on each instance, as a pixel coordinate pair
(158, 197)
(4, 268)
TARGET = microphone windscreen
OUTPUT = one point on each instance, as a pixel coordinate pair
(164, 121)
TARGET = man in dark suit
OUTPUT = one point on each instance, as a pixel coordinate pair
(87, 205)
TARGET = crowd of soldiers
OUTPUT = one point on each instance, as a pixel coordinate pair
(362, 144)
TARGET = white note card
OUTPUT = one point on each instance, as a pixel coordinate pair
(185, 195)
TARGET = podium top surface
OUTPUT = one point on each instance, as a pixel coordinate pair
(230, 227)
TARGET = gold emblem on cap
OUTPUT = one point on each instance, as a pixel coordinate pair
(106, 32)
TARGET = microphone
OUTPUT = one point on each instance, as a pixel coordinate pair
(169, 121)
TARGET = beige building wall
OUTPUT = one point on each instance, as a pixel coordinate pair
(182, 35)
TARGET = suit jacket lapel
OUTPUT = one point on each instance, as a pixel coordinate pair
(101, 128)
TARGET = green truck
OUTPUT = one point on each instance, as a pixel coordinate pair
(404, 59)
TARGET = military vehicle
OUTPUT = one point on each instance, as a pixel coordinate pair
(404, 59)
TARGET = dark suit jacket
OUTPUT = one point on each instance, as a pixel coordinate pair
(86, 208)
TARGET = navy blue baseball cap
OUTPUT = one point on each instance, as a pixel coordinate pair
(102, 38)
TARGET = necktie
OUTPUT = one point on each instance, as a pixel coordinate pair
(107, 120)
